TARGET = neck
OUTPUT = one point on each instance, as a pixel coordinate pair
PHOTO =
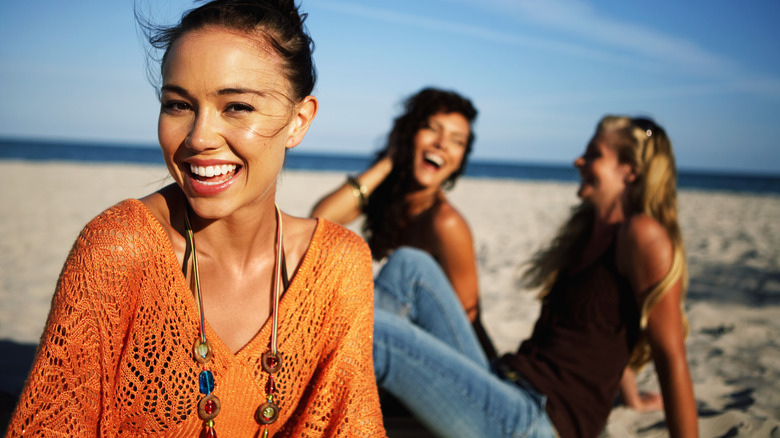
(612, 213)
(421, 200)
(238, 240)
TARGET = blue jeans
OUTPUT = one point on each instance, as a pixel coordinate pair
(427, 355)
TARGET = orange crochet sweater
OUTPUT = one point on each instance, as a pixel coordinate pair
(116, 356)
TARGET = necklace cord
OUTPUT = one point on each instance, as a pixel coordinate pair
(277, 276)
(209, 406)
(199, 299)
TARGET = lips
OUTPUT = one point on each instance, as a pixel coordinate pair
(212, 178)
(433, 160)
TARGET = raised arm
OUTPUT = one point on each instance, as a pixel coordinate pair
(650, 255)
(343, 205)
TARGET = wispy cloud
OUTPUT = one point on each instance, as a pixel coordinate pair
(581, 19)
(584, 32)
(431, 24)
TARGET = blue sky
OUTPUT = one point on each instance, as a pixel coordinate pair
(541, 72)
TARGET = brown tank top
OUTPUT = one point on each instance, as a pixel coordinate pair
(587, 328)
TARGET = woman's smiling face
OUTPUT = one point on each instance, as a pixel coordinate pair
(603, 178)
(225, 120)
(439, 148)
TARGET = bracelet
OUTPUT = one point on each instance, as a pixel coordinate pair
(359, 190)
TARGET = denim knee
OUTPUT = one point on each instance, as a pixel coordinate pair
(407, 257)
(405, 271)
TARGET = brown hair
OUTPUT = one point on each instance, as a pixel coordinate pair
(278, 22)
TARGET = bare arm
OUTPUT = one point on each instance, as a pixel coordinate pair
(665, 331)
(341, 205)
(649, 254)
(454, 247)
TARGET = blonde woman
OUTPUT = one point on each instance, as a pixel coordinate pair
(613, 280)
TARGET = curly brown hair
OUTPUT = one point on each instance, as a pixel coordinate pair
(385, 211)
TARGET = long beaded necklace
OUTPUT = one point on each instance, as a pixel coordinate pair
(209, 405)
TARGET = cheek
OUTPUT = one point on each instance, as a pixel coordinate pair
(170, 133)
(421, 139)
(457, 157)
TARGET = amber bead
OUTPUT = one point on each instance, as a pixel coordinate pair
(267, 413)
(208, 407)
(271, 363)
(202, 351)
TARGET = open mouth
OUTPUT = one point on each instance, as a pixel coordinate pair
(434, 160)
(213, 175)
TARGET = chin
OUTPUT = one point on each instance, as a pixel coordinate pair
(209, 208)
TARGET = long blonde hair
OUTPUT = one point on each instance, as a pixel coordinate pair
(645, 146)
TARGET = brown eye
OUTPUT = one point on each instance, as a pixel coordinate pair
(239, 107)
(175, 106)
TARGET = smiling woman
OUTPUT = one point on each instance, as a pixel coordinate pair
(403, 196)
(152, 335)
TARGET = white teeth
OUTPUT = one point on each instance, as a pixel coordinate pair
(439, 161)
(209, 171)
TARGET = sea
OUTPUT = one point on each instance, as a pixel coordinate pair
(49, 150)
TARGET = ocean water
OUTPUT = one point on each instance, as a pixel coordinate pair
(16, 149)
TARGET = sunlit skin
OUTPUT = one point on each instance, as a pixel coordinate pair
(223, 109)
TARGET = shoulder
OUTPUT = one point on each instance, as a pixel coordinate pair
(128, 228)
(337, 239)
(643, 235)
(122, 220)
(448, 221)
(645, 251)
(338, 261)
(117, 246)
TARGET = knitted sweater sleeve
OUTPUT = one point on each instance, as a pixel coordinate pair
(70, 384)
(354, 351)
(347, 402)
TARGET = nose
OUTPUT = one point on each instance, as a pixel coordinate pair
(203, 133)
(579, 162)
(438, 140)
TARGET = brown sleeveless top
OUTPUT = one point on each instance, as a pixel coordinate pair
(581, 343)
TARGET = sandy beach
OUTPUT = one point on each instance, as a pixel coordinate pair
(733, 247)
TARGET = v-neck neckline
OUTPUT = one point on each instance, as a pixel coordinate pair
(250, 348)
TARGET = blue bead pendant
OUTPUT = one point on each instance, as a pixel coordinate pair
(206, 380)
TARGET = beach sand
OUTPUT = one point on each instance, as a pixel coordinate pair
(733, 247)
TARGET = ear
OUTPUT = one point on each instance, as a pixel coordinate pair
(304, 114)
(629, 175)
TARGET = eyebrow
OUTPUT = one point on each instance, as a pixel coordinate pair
(221, 92)
(174, 89)
(231, 91)
(461, 135)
